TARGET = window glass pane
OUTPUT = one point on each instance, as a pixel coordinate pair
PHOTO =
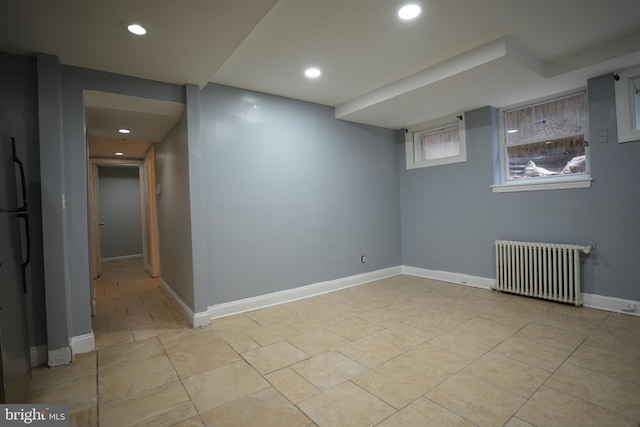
(549, 158)
(549, 120)
(438, 144)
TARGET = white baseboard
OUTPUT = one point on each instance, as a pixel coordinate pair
(59, 356)
(617, 305)
(39, 355)
(82, 343)
(308, 291)
(149, 270)
(446, 276)
(197, 320)
(200, 319)
(121, 258)
(290, 295)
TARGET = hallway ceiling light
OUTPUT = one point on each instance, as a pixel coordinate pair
(136, 29)
(312, 72)
(409, 11)
(119, 153)
(124, 130)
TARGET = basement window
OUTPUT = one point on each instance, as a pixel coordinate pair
(628, 105)
(543, 145)
(438, 145)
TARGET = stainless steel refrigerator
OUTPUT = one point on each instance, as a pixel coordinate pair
(15, 372)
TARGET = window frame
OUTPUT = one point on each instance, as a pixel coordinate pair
(556, 182)
(626, 108)
(433, 126)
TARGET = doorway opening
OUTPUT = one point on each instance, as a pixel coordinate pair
(122, 211)
(120, 134)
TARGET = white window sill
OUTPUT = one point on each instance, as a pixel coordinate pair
(537, 186)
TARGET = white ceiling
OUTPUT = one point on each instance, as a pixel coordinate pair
(456, 56)
(148, 120)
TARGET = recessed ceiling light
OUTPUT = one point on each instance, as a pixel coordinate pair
(124, 131)
(312, 73)
(409, 11)
(137, 29)
(119, 153)
(512, 131)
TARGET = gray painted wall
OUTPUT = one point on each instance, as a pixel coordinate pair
(450, 217)
(120, 211)
(63, 145)
(174, 212)
(53, 216)
(198, 201)
(292, 195)
(19, 118)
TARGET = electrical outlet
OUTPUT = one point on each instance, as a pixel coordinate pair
(362, 259)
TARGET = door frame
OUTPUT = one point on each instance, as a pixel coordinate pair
(146, 174)
(94, 203)
(148, 198)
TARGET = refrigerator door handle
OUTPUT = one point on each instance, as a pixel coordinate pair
(27, 258)
(23, 182)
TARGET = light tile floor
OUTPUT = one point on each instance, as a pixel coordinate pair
(397, 352)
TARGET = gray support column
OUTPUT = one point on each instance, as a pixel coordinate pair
(53, 218)
(199, 206)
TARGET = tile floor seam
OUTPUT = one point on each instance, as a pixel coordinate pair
(591, 403)
(565, 360)
(376, 396)
(527, 363)
(382, 400)
(354, 360)
(587, 401)
(305, 412)
(526, 400)
(451, 410)
(295, 405)
(97, 390)
(491, 351)
(355, 385)
(586, 345)
(438, 382)
(182, 383)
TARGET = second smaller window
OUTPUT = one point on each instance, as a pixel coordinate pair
(437, 146)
